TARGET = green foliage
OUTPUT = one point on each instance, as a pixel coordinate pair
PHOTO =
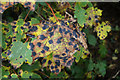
(80, 13)
(23, 54)
(26, 74)
(34, 67)
(60, 75)
(91, 39)
(5, 71)
(19, 54)
(102, 50)
(101, 68)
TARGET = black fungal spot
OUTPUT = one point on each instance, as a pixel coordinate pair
(56, 56)
(55, 27)
(51, 34)
(57, 70)
(20, 56)
(49, 62)
(50, 41)
(42, 51)
(69, 62)
(46, 48)
(14, 26)
(22, 28)
(57, 62)
(38, 44)
(44, 60)
(72, 39)
(53, 71)
(52, 67)
(45, 27)
(67, 51)
(70, 43)
(55, 66)
(50, 29)
(96, 16)
(33, 53)
(89, 18)
(60, 30)
(42, 37)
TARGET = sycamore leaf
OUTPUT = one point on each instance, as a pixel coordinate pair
(19, 54)
(5, 71)
(80, 14)
(102, 29)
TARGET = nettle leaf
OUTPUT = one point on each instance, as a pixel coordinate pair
(19, 54)
(100, 68)
(102, 30)
(34, 67)
(26, 74)
(60, 75)
(5, 71)
(102, 50)
(91, 39)
(91, 65)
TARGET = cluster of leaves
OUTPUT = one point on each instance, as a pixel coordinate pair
(15, 51)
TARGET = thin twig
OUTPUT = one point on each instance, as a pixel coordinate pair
(43, 74)
(27, 15)
(26, 40)
(116, 74)
(52, 11)
(39, 15)
(15, 73)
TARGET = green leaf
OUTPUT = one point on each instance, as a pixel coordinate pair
(91, 65)
(80, 12)
(101, 68)
(19, 54)
(102, 50)
(92, 40)
(5, 71)
(60, 75)
(27, 74)
(30, 68)
(20, 22)
(43, 3)
(78, 54)
(14, 75)
(0, 73)
(34, 21)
